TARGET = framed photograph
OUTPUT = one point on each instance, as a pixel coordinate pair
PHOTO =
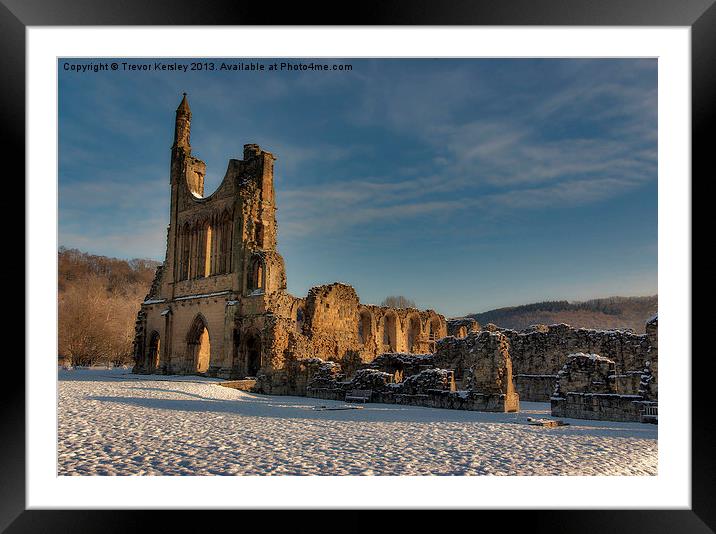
(414, 262)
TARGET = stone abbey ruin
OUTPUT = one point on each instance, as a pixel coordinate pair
(218, 306)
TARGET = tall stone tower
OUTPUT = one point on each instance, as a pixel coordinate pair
(263, 266)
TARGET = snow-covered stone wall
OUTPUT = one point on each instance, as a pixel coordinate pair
(588, 388)
(538, 354)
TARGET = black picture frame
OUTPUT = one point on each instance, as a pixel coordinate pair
(699, 15)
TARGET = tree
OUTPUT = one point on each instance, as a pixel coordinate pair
(98, 302)
(398, 301)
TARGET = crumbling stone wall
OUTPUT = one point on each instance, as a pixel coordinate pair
(539, 352)
(601, 406)
(481, 362)
(586, 373)
(587, 388)
(402, 365)
(429, 379)
(477, 359)
(431, 387)
(460, 327)
(334, 326)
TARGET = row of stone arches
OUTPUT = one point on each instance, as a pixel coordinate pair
(198, 348)
(198, 357)
(393, 334)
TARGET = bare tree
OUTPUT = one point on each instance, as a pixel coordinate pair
(398, 301)
(98, 302)
(82, 321)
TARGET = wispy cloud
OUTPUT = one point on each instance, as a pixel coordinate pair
(518, 160)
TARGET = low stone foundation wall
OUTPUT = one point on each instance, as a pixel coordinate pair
(462, 400)
(433, 398)
(535, 388)
(603, 406)
(326, 393)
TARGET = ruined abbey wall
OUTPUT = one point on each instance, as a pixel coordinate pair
(332, 324)
(482, 359)
(587, 387)
(461, 326)
(540, 352)
(219, 306)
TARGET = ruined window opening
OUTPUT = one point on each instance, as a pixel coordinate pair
(259, 275)
(413, 333)
(364, 327)
(207, 252)
(390, 332)
(224, 239)
(299, 320)
(184, 247)
(202, 257)
(191, 268)
(256, 275)
(259, 234)
(434, 329)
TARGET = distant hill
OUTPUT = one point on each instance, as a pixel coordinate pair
(607, 313)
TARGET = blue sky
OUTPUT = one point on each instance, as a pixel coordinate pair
(464, 184)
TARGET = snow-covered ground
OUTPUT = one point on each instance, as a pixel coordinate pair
(114, 423)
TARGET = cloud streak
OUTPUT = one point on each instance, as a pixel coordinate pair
(519, 160)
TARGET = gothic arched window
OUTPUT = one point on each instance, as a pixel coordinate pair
(257, 274)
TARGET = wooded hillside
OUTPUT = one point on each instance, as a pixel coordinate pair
(613, 312)
(98, 300)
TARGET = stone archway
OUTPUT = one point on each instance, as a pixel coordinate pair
(390, 331)
(435, 327)
(252, 354)
(413, 334)
(153, 352)
(199, 345)
(365, 327)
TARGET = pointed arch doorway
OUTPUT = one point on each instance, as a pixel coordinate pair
(153, 352)
(252, 354)
(199, 345)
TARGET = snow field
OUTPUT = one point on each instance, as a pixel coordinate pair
(114, 423)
